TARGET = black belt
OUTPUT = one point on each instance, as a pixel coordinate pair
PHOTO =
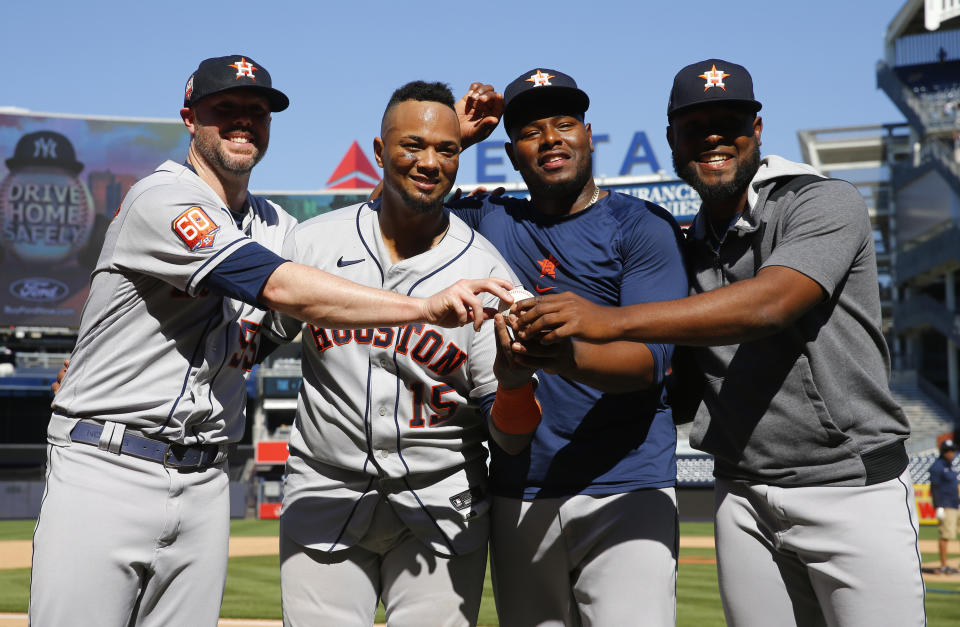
(171, 455)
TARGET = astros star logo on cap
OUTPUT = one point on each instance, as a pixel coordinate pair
(539, 79)
(714, 78)
(244, 68)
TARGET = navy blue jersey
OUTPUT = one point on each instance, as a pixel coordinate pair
(943, 484)
(621, 251)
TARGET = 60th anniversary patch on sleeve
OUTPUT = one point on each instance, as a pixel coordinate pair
(195, 228)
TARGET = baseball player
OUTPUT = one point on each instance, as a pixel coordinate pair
(946, 500)
(386, 488)
(584, 521)
(134, 523)
(815, 518)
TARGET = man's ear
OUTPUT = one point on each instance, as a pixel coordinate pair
(758, 129)
(378, 151)
(589, 135)
(508, 148)
(670, 136)
(189, 119)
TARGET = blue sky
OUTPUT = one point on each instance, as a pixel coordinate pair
(813, 63)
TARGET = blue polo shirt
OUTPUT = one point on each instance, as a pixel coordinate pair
(943, 485)
(620, 251)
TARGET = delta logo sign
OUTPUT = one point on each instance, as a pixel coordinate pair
(354, 172)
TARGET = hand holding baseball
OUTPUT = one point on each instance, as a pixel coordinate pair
(557, 317)
(459, 303)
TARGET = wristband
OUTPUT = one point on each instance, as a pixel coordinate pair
(516, 411)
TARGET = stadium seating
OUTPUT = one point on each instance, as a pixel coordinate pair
(927, 419)
(937, 87)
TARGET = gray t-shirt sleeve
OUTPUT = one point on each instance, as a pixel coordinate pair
(175, 233)
(826, 227)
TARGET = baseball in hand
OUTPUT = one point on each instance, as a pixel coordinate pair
(518, 294)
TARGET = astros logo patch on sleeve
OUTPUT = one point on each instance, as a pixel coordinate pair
(195, 228)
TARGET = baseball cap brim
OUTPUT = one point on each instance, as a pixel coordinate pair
(752, 105)
(277, 99)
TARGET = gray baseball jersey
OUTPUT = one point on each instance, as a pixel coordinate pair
(391, 411)
(158, 354)
(155, 352)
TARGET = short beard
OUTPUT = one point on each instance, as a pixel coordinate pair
(572, 187)
(419, 204)
(212, 151)
(724, 192)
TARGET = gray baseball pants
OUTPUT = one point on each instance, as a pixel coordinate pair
(417, 586)
(122, 541)
(586, 559)
(809, 556)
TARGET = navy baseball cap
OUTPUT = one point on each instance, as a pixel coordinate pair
(540, 86)
(713, 80)
(223, 73)
(45, 148)
(947, 445)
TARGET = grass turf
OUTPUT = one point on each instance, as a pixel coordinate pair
(253, 590)
(17, 529)
(14, 590)
(253, 583)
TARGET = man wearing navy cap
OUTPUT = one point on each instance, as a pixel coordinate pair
(946, 500)
(584, 519)
(134, 524)
(815, 518)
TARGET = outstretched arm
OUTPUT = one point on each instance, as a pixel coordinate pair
(612, 367)
(323, 299)
(747, 310)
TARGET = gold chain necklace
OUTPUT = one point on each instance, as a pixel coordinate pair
(593, 199)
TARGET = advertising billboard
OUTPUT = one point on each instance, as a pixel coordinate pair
(61, 180)
(681, 200)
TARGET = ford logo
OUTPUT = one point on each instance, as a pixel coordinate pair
(39, 289)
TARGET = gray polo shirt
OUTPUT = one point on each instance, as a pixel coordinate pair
(809, 405)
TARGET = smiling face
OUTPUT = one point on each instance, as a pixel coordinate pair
(231, 129)
(553, 154)
(419, 151)
(716, 149)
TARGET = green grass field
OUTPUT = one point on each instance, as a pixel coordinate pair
(253, 583)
